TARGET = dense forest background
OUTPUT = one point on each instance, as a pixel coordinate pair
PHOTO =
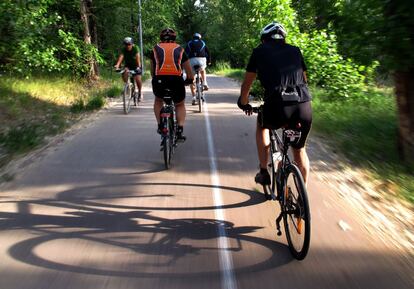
(351, 47)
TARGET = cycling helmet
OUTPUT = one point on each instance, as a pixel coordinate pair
(274, 30)
(128, 40)
(168, 34)
(197, 36)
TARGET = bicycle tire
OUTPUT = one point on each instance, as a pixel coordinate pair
(273, 168)
(131, 94)
(292, 210)
(173, 139)
(166, 149)
(124, 98)
(199, 95)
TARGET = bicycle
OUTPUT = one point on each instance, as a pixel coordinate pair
(199, 88)
(288, 188)
(168, 132)
(128, 92)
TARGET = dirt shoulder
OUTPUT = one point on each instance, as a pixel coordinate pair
(378, 209)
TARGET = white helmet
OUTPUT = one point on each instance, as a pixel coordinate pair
(274, 30)
(128, 40)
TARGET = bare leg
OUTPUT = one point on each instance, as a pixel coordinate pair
(203, 77)
(192, 87)
(263, 145)
(158, 103)
(181, 113)
(125, 75)
(301, 159)
(138, 81)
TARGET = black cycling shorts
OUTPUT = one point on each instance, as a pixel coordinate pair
(279, 114)
(173, 83)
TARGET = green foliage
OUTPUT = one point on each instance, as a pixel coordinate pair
(95, 102)
(43, 36)
(78, 105)
(114, 91)
(22, 137)
(329, 69)
(364, 128)
(91, 103)
(367, 30)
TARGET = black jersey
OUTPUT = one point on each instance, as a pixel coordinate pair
(279, 66)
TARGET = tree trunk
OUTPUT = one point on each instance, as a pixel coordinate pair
(404, 89)
(84, 11)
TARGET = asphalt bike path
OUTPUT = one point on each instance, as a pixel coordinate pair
(100, 211)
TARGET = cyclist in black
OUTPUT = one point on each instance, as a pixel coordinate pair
(167, 62)
(130, 55)
(199, 54)
(282, 73)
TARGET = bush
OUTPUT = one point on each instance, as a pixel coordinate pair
(114, 91)
(78, 106)
(21, 138)
(328, 69)
(95, 102)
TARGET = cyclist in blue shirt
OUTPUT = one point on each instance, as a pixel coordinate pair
(197, 51)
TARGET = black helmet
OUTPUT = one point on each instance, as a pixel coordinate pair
(128, 40)
(273, 30)
(168, 34)
(197, 36)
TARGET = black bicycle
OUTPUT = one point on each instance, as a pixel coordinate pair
(168, 121)
(199, 88)
(129, 93)
(288, 188)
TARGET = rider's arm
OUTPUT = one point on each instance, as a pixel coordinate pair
(120, 59)
(138, 57)
(304, 68)
(187, 49)
(188, 70)
(208, 56)
(249, 78)
(152, 68)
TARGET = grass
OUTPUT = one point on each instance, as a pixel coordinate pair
(224, 69)
(364, 129)
(34, 108)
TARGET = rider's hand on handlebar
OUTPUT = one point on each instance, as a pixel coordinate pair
(138, 71)
(247, 108)
(188, 81)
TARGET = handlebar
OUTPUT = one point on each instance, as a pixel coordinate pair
(137, 71)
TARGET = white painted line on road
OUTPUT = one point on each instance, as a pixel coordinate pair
(228, 280)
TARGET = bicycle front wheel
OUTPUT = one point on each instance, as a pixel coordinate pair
(296, 213)
(126, 98)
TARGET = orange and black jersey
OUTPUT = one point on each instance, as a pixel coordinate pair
(167, 59)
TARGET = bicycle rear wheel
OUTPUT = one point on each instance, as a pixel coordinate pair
(199, 95)
(167, 151)
(296, 216)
